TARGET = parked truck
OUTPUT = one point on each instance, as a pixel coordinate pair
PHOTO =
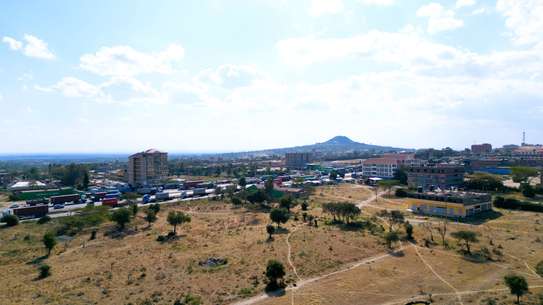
(199, 191)
(112, 202)
(162, 196)
(63, 199)
(28, 211)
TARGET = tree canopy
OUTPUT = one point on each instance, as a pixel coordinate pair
(342, 211)
(517, 285)
(279, 216)
(176, 218)
(121, 216)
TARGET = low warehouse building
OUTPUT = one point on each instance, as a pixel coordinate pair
(450, 204)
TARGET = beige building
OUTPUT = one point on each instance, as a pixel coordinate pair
(147, 168)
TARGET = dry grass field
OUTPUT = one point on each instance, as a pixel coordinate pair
(324, 264)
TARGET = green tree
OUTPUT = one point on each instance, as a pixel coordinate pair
(44, 271)
(10, 220)
(304, 206)
(270, 230)
(527, 190)
(86, 180)
(391, 238)
(517, 285)
(150, 217)
(333, 176)
(135, 209)
(387, 185)
(400, 175)
(465, 237)
(268, 186)
(286, 202)
(275, 271)
(279, 216)
(176, 218)
(539, 268)
(242, 182)
(121, 216)
(522, 173)
(236, 200)
(155, 207)
(409, 230)
(49, 242)
(393, 218)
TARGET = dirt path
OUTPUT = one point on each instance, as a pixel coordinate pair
(458, 296)
(305, 282)
(289, 256)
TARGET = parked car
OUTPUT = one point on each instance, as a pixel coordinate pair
(58, 206)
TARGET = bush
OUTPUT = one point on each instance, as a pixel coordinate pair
(401, 193)
(44, 219)
(539, 268)
(45, 271)
(514, 204)
(10, 220)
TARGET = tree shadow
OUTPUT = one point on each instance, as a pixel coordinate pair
(274, 293)
(281, 230)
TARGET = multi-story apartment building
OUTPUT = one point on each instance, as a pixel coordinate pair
(480, 149)
(443, 176)
(297, 160)
(147, 168)
(387, 165)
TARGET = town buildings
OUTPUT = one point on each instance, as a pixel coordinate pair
(297, 160)
(450, 204)
(480, 149)
(147, 168)
(387, 165)
(428, 177)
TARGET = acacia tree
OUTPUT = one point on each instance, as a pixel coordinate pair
(275, 271)
(393, 218)
(408, 230)
(49, 242)
(465, 237)
(270, 230)
(517, 285)
(176, 218)
(391, 237)
(279, 216)
(121, 216)
(442, 229)
(150, 217)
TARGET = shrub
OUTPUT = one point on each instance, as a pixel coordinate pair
(10, 220)
(514, 204)
(539, 268)
(121, 217)
(401, 193)
(45, 271)
(44, 219)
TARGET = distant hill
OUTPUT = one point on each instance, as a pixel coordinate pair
(336, 145)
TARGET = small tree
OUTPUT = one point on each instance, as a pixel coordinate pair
(155, 207)
(45, 271)
(49, 242)
(270, 230)
(121, 216)
(279, 216)
(236, 201)
(286, 203)
(10, 220)
(150, 217)
(176, 218)
(442, 229)
(135, 209)
(465, 238)
(394, 217)
(391, 237)
(409, 230)
(304, 206)
(517, 285)
(539, 268)
(275, 271)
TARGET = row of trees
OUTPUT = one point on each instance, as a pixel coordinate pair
(341, 211)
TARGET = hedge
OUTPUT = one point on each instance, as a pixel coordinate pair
(514, 204)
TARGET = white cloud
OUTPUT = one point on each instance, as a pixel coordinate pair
(439, 18)
(123, 61)
(524, 19)
(464, 3)
(32, 47)
(229, 76)
(323, 7)
(73, 87)
(378, 2)
(406, 49)
(12, 43)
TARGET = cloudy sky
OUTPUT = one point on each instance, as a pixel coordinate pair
(193, 76)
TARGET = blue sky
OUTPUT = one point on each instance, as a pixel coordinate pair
(194, 76)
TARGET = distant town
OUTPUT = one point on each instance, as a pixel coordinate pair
(408, 201)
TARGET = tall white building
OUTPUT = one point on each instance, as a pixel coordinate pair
(147, 168)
